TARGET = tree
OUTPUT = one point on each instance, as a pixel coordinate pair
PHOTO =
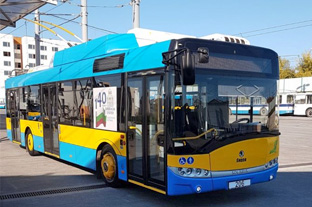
(285, 69)
(304, 67)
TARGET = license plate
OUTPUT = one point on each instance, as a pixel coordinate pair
(239, 184)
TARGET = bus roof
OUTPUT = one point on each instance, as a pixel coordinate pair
(77, 62)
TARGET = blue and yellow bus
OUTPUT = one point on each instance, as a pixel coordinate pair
(124, 111)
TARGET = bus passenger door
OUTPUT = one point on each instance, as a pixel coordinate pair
(50, 123)
(14, 109)
(146, 154)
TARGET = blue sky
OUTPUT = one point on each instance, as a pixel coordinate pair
(194, 17)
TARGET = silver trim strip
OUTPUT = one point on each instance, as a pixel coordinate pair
(216, 174)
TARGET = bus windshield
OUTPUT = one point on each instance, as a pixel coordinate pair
(221, 107)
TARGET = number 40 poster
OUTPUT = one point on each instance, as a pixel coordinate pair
(105, 108)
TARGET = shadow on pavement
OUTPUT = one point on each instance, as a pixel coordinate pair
(289, 189)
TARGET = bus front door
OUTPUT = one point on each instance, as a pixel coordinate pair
(14, 115)
(50, 123)
(146, 155)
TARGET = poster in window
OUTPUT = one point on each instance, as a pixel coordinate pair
(105, 108)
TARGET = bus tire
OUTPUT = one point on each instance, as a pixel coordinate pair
(109, 167)
(309, 112)
(30, 147)
(263, 111)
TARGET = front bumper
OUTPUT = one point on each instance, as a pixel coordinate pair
(178, 185)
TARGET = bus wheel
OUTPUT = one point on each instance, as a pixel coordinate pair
(263, 111)
(109, 170)
(30, 144)
(309, 112)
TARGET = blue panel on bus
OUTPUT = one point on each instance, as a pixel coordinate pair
(97, 47)
(22, 139)
(79, 155)
(286, 111)
(222, 183)
(67, 152)
(38, 143)
(178, 185)
(122, 167)
(86, 157)
(79, 62)
(146, 57)
(9, 134)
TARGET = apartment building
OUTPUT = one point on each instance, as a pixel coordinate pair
(18, 55)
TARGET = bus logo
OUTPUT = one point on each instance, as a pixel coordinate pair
(241, 154)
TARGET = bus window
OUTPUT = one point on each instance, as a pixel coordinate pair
(300, 99)
(290, 99)
(114, 81)
(33, 103)
(83, 103)
(66, 102)
(22, 103)
(309, 99)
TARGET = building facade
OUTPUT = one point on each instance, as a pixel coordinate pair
(18, 55)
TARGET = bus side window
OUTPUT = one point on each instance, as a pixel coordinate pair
(82, 103)
(290, 99)
(66, 102)
(114, 81)
(309, 99)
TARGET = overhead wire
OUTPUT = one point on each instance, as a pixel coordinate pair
(279, 30)
(67, 21)
(97, 6)
(91, 26)
(273, 27)
(256, 32)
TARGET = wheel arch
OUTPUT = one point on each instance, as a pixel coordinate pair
(99, 152)
(306, 112)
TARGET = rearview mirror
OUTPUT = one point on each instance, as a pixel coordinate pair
(188, 68)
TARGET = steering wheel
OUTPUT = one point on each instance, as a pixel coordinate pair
(242, 119)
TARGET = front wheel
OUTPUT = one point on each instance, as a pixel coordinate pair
(109, 167)
(309, 112)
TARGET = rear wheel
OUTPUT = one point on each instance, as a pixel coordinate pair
(30, 143)
(263, 111)
(309, 112)
(109, 167)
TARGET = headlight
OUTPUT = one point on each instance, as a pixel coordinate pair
(271, 163)
(191, 172)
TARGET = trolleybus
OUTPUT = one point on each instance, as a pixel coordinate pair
(156, 116)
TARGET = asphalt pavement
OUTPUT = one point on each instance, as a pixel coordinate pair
(45, 181)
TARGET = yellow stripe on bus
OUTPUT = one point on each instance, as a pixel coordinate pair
(8, 123)
(36, 127)
(92, 138)
(51, 154)
(16, 142)
(148, 187)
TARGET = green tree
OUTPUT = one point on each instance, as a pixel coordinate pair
(285, 69)
(304, 67)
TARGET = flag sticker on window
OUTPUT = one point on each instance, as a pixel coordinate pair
(105, 108)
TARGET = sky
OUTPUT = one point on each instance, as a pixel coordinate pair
(282, 25)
